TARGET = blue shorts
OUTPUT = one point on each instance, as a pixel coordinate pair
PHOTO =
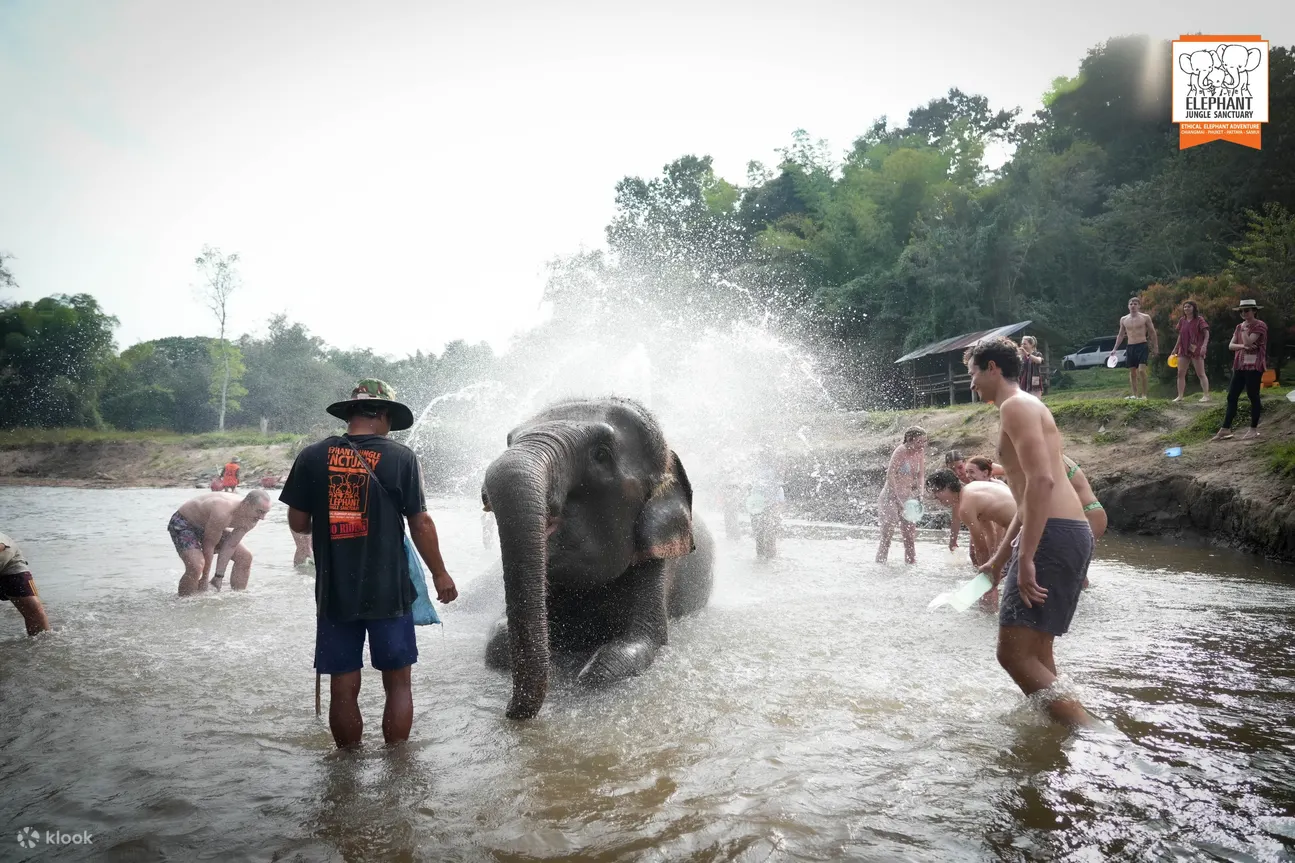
(339, 647)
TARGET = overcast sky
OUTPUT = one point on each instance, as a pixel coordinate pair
(395, 174)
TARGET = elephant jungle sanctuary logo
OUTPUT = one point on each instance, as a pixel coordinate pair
(1220, 89)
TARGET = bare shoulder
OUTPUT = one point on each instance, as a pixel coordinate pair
(1021, 412)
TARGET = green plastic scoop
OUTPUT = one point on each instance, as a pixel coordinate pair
(961, 598)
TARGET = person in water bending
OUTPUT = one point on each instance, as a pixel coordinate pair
(986, 508)
(903, 482)
(18, 587)
(214, 524)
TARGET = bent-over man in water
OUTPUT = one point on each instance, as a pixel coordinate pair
(17, 586)
(1048, 561)
(215, 524)
(1140, 331)
(986, 508)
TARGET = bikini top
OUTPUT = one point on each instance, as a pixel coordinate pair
(1071, 466)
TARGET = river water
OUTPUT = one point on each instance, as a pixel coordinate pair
(814, 711)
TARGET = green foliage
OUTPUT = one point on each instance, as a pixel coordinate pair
(1109, 411)
(23, 437)
(1266, 258)
(7, 279)
(911, 239)
(226, 357)
(52, 356)
(1215, 298)
(163, 384)
(1281, 458)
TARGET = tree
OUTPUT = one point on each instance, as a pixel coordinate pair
(1265, 257)
(164, 384)
(53, 354)
(289, 376)
(7, 279)
(221, 280)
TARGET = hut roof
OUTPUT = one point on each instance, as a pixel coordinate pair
(966, 340)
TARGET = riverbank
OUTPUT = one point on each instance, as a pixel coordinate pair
(90, 459)
(1236, 493)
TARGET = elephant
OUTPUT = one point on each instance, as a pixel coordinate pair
(1237, 62)
(599, 545)
(1197, 64)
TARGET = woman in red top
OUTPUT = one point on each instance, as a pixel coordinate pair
(1249, 348)
(1193, 337)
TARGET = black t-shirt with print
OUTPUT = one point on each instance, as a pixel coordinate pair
(358, 531)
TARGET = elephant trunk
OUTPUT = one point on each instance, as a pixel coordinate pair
(521, 486)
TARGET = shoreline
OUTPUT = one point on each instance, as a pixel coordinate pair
(833, 465)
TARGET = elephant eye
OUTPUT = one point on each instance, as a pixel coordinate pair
(603, 454)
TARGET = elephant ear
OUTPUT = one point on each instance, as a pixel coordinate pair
(1253, 58)
(664, 527)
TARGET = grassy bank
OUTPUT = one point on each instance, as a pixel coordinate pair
(210, 440)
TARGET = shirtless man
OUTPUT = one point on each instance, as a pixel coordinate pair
(986, 508)
(1139, 330)
(215, 523)
(903, 482)
(1047, 562)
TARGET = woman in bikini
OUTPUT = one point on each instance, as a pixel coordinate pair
(904, 477)
(1093, 510)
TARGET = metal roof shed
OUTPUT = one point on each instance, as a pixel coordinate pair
(936, 372)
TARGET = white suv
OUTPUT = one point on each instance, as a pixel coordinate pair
(1093, 353)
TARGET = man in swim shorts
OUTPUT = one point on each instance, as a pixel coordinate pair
(1047, 562)
(215, 524)
(17, 586)
(1140, 331)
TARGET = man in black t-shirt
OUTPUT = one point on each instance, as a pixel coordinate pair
(362, 579)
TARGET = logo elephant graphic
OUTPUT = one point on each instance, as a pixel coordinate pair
(1224, 71)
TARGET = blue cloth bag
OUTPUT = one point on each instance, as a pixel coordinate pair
(424, 612)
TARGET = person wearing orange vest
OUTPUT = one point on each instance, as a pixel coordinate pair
(230, 478)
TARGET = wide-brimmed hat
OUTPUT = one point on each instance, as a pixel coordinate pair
(1252, 305)
(364, 394)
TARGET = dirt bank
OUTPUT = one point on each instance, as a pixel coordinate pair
(136, 463)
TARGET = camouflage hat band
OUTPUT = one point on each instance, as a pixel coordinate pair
(372, 389)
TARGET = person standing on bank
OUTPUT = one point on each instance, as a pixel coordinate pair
(1193, 338)
(1140, 331)
(1031, 379)
(229, 475)
(362, 579)
(1249, 348)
